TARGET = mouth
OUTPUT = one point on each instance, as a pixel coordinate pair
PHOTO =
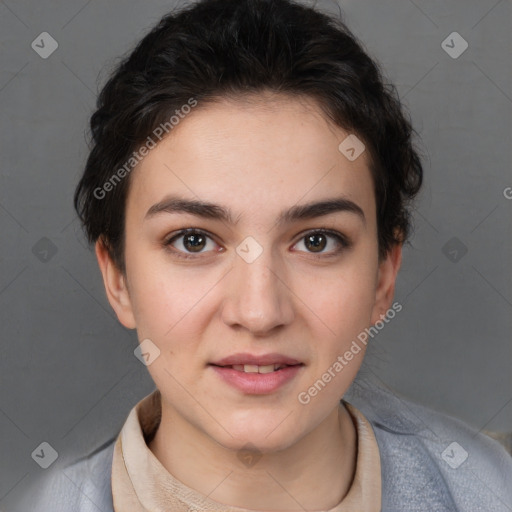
(257, 375)
(249, 361)
(254, 368)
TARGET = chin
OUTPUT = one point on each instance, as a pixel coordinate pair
(258, 443)
(265, 434)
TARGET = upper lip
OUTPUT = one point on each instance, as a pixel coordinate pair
(261, 360)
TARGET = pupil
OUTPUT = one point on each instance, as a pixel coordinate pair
(318, 246)
(194, 242)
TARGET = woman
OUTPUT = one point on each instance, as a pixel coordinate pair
(248, 196)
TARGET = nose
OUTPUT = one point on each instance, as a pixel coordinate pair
(258, 299)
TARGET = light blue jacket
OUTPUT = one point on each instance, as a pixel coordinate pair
(430, 463)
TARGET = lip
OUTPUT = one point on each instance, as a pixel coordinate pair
(257, 383)
(260, 360)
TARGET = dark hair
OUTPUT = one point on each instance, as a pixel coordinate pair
(228, 48)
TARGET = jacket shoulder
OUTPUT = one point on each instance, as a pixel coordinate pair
(81, 486)
(430, 460)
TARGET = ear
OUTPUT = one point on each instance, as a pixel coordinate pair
(115, 286)
(385, 290)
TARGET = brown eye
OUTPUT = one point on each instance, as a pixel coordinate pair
(194, 242)
(188, 242)
(316, 242)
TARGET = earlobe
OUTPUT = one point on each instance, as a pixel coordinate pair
(115, 286)
(385, 290)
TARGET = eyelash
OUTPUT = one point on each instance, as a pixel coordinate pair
(343, 241)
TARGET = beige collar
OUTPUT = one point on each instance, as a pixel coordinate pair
(140, 483)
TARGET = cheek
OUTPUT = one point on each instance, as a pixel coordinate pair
(342, 300)
(167, 299)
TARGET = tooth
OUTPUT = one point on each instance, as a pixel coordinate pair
(239, 367)
(251, 368)
(269, 368)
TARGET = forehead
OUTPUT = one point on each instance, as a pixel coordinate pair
(256, 156)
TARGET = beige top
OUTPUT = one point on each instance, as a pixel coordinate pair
(140, 483)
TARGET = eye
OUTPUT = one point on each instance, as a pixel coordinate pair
(317, 241)
(188, 242)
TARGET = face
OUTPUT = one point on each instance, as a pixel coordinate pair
(262, 279)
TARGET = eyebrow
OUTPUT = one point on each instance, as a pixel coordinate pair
(207, 210)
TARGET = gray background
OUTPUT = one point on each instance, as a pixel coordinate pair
(67, 370)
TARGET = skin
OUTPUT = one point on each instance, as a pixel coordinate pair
(256, 158)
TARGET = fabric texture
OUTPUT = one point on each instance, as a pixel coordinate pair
(430, 462)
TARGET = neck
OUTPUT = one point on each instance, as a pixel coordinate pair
(313, 474)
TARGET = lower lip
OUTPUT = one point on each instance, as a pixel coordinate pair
(257, 383)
